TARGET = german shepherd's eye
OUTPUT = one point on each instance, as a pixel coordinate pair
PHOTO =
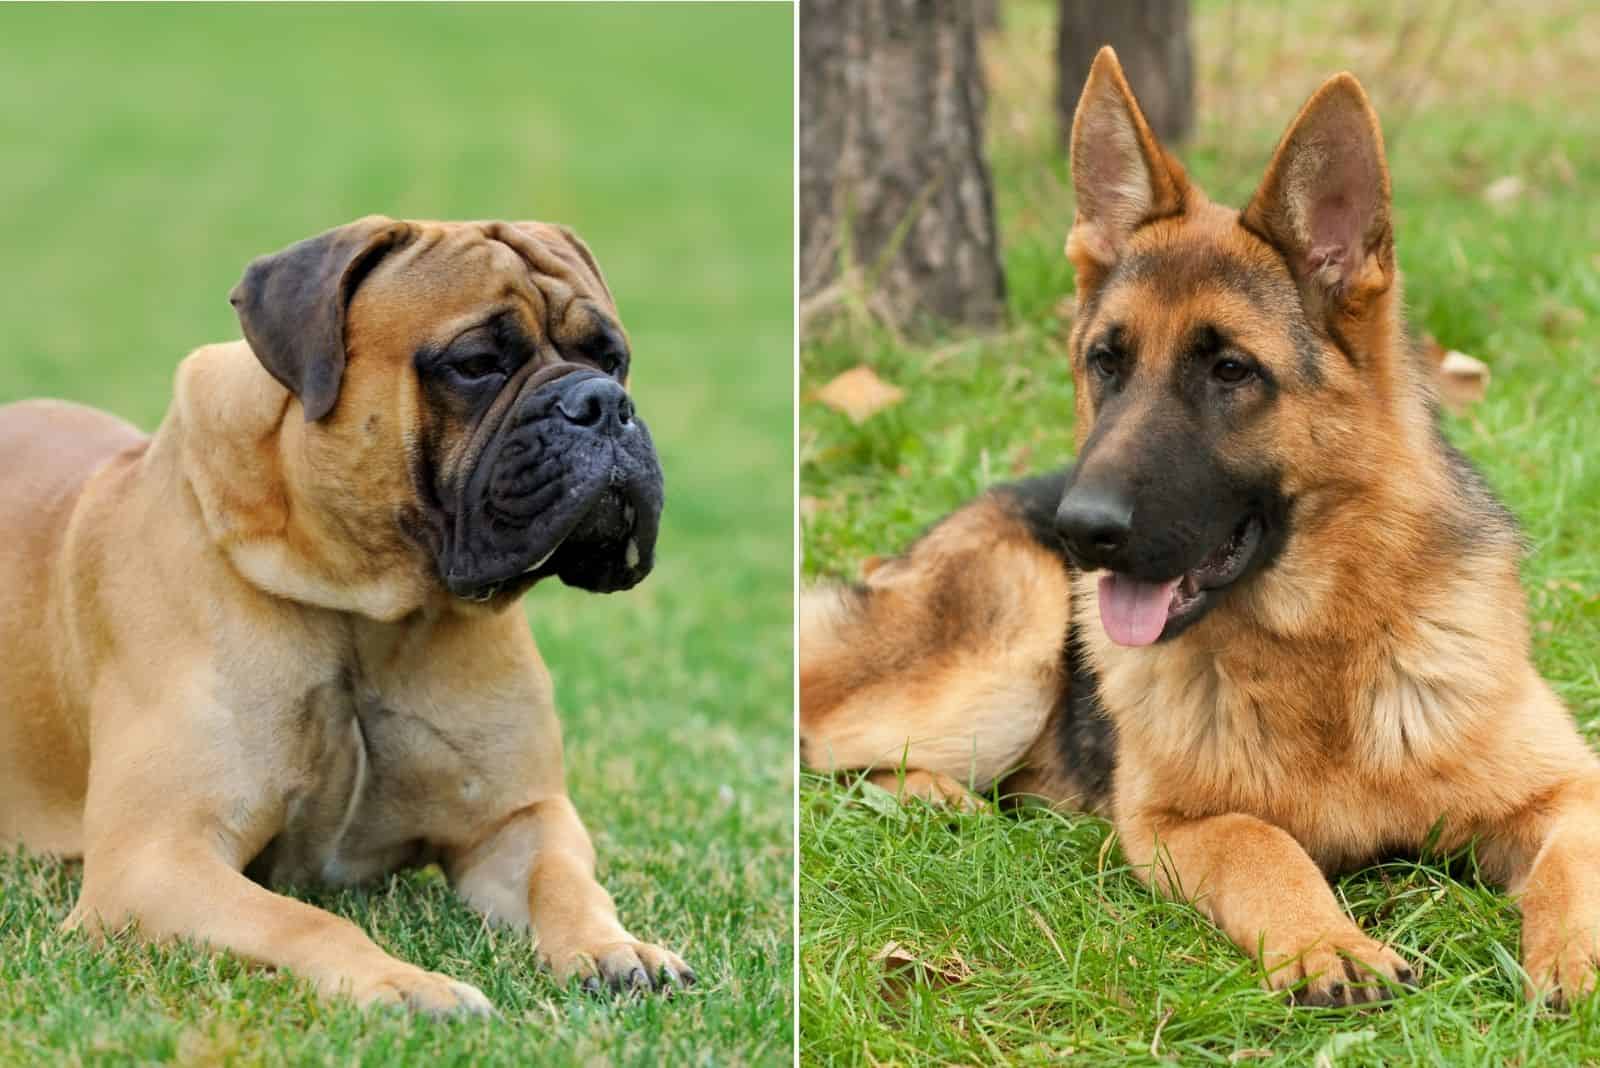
(1231, 372)
(1105, 361)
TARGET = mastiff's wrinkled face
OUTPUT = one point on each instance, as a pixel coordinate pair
(471, 378)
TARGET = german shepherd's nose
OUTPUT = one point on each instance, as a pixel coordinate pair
(1096, 522)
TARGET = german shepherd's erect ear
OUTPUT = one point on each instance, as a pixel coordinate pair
(1324, 204)
(1122, 176)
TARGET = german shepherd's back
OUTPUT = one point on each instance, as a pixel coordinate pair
(1270, 621)
(955, 662)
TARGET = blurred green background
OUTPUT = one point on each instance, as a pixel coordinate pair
(146, 154)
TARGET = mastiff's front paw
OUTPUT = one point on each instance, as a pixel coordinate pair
(625, 965)
(425, 992)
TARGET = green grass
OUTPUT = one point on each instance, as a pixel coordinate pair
(149, 154)
(1038, 944)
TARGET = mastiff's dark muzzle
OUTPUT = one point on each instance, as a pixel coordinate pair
(566, 483)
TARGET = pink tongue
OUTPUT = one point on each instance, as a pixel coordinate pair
(1134, 612)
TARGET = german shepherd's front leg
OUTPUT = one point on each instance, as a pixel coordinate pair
(1255, 882)
(1559, 891)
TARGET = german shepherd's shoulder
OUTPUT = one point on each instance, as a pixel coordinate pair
(1270, 621)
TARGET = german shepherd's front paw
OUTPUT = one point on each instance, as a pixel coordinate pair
(936, 788)
(1562, 970)
(1341, 969)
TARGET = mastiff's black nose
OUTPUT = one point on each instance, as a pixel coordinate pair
(1096, 523)
(600, 404)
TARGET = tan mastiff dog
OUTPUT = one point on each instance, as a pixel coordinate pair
(278, 641)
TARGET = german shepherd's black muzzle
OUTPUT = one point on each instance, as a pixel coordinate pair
(567, 485)
(1171, 528)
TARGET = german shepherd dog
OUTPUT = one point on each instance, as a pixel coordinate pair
(1269, 622)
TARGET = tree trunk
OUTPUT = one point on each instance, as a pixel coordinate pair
(1152, 42)
(894, 187)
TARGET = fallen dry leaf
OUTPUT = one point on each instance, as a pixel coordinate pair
(1434, 351)
(1463, 379)
(860, 394)
(1560, 318)
(1503, 190)
(902, 967)
(810, 506)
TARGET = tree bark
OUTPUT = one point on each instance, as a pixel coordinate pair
(895, 190)
(1152, 42)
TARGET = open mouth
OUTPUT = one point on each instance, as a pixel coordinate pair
(1135, 612)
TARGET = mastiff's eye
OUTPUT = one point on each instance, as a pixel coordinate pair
(610, 361)
(478, 366)
(1231, 372)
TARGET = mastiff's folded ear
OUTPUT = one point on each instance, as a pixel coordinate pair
(292, 304)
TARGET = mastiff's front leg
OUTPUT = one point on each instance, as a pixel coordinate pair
(170, 822)
(537, 872)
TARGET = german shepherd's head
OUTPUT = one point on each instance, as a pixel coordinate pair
(1239, 373)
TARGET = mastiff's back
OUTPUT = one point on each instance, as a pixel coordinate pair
(49, 450)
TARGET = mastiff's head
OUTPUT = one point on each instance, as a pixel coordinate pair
(463, 390)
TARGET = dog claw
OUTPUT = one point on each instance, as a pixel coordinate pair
(628, 968)
(1348, 970)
